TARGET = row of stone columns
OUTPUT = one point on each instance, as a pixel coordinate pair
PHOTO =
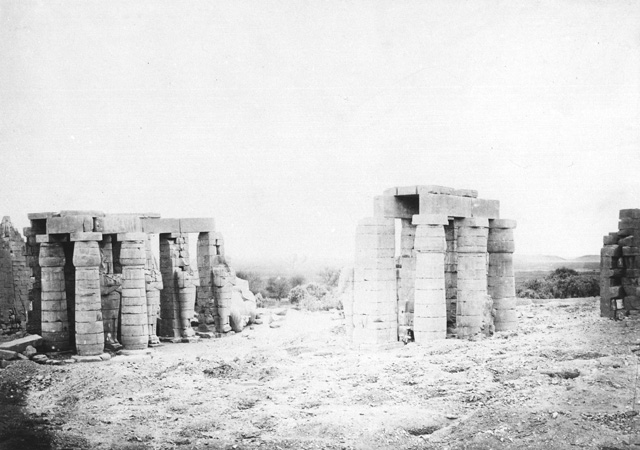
(473, 258)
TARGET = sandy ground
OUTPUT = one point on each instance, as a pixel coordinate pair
(303, 386)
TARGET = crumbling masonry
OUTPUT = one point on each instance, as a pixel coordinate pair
(431, 259)
(620, 268)
(96, 282)
(14, 279)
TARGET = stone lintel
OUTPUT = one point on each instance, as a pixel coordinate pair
(407, 190)
(160, 226)
(72, 212)
(70, 224)
(131, 237)
(466, 193)
(51, 238)
(119, 223)
(390, 191)
(485, 208)
(88, 236)
(388, 206)
(40, 216)
(430, 219)
(435, 189)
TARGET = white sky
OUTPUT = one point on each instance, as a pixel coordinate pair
(282, 119)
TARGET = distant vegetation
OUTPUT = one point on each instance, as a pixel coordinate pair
(561, 283)
(313, 296)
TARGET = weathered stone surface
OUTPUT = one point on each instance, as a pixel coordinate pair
(20, 345)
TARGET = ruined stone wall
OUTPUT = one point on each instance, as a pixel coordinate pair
(620, 268)
(15, 279)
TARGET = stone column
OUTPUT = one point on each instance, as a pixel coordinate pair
(153, 286)
(177, 299)
(451, 274)
(206, 304)
(54, 322)
(35, 290)
(110, 293)
(375, 318)
(430, 311)
(223, 279)
(611, 273)
(88, 305)
(169, 324)
(473, 301)
(134, 329)
(406, 277)
(501, 280)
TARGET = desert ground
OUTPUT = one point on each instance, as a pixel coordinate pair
(566, 378)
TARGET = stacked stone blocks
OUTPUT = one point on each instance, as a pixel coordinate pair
(620, 268)
(15, 279)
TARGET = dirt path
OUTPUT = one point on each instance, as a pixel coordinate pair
(303, 386)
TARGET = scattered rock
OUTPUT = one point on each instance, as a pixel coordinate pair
(29, 351)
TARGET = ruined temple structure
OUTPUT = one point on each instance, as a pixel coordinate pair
(14, 279)
(431, 258)
(97, 282)
(620, 268)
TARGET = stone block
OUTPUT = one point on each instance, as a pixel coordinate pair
(83, 328)
(611, 251)
(40, 216)
(630, 251)
(448, 205)
(8, 355)
(89, 315)
(616, 292)
(610, 239)
(390, 191)
(429, 219)
(424, 337)
(407, 190)
(434, 189)
(466, 193)
(485, 208)
(69, 224)
(430, 324)
(430, 296)
(390, 207)
(86, 254)
(434, 307)
(373, 263)
(629, 214)
(160, 226)
(465, 223)
(86, 236)
(119, 223)
(135, 237)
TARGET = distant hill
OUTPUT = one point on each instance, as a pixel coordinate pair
(527, 263)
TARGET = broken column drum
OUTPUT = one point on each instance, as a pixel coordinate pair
(446, 271)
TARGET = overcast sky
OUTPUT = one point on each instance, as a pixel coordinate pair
(283, 119)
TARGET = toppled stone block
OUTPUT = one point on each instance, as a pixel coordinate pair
(8, 354)
(20, 345)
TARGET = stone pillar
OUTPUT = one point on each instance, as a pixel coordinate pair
(451, 274)
(88, 306)
(134, 329)
(177, 299)
(169, 326)
(54, 322)
(406, 277)
(375, 316)
(501, 280)
(14, 279)
(153, 286)
(430, 311)
(35, 287)
(110, 292)
(472, 302)
(611, 273)
(223, 279)
(206, 304)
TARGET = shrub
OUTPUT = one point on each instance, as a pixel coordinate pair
(561, 283)
(313, 297)
(278, 287)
